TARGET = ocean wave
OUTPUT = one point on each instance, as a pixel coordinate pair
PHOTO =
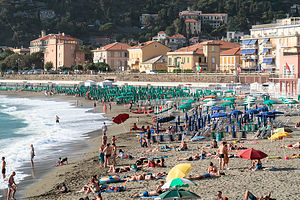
(42, 131)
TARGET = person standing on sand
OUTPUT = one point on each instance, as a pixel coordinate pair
(101, 155)
(3, 168)
(57, 119)
(32, 154)
(107, 154)
(222, 150)
(114, 154)
(104, 128)
(12, 187)
(104, 108)
(109, 106)
(226, 157)
(104, 139)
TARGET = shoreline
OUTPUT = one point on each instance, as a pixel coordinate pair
(72, 150)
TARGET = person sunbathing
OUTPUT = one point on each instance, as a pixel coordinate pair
(160, 163)
(156, 192)
(61, 161)
(249, 195)
(112, 169)
(294, 146)
(183, 146)
(213, 145)
(191, 158)
(213, 170)
(256, 165)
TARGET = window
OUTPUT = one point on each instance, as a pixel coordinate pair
(126, 54)
(120, 63)
(170, 61)
(121, 54)
(213, 60)
(213, 48)
(188, 59)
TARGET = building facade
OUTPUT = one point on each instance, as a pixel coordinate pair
(204, 56)
(115, 55)
(160, 37)
(230, 60)
(158, 63)
(59, 49)
(145, 51)
(192, 26)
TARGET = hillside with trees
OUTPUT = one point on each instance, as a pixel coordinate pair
(21, 21)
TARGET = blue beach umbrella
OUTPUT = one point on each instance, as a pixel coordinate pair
(252, 111)
(216, 115)
(236, 112)
(176, 127)
(178, 119)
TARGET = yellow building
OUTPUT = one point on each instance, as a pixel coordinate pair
(203, 56)
(229, 60)
(145, 51)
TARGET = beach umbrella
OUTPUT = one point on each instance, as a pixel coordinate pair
(165, 119)
(282, 98)
(279, 135)
(178, 194)
(216, 115)
(179, 171)
(270, 102)
(178, 120)
(178, 182)
(217, 108)
(280, 130)
(252, 154)
(227, 103)
(229, 91)
(176, 127)
(120, 118)
(262, 109)
(229, 98)
(252, 111)
(276, 112)
(190, 101)
(235, 112)
(186, 117)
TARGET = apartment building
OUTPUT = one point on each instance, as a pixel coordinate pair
(275, 47)
(115, 55)
(192, 26)
(230, 60)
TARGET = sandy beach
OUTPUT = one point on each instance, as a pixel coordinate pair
(282, 181)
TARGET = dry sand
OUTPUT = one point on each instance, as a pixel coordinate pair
(283, 182)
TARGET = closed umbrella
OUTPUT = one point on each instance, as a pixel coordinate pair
(165, 119)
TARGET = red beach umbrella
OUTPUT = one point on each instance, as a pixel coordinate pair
(121, 118)
(251, 154)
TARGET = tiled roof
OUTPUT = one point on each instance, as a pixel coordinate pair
(223, 44)
(191, 20)
(234, 51)
(213, 14)
(141, 45)
(177, 36)
(115, 46)
(197, 48)
(57, 36)
(161, 32)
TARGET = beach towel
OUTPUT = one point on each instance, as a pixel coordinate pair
(153, 197)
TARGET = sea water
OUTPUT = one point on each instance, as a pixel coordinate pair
(25, 121)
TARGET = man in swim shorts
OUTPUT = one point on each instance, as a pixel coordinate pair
(249, 195)
(12, 187)
(222, 150)
(32, 154)
(3, 169)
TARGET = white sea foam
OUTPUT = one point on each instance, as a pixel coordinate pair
(42, 131)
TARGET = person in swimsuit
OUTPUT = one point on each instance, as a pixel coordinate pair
(213, 170)
(104, 139)
(32, 154)
(249, 195)
(57, 119)
(256, 165)
(107, 154)
(156, 192)
(114, 154)
(12, 186)
(101, 155)
(222, 150)
(3, 168)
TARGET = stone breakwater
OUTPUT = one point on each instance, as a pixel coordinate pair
(204, 77)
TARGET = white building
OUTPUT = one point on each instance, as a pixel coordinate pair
(267, 44)
(160, 37)
(234, 36)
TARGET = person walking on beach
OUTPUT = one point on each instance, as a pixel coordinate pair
(32, 154)
(3, 168)
(148, 137)
(57, 119)
(104, 139)
(104, 108)
(222, 150)
(109, 106)
(12, 187)
(104, 128)
(107, 154)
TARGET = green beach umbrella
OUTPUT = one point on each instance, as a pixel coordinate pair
(178, 182)
(229, 98)
(226, 103)
(270, 102)
(178, 194)
(229, 91)
(281, 98)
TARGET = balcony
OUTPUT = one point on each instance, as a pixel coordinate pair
(269, 56)
(267, 46)
(249, 46)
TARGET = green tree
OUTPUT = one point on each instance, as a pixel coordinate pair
(3, 66)
(48, 66)
(6, 53)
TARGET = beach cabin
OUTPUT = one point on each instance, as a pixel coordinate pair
(106, 83)
(89, 83)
